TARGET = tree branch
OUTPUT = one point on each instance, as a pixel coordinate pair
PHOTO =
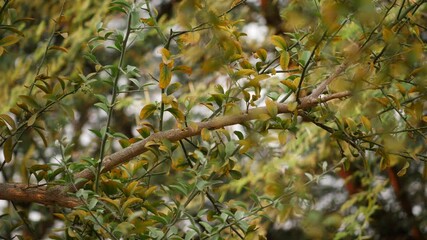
(19, 192)
(58, 195)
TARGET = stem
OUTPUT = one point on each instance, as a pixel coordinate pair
(112, 102)
(306, 66)
(156, 25)
(162, 110)
(6, 2)
(39, 67)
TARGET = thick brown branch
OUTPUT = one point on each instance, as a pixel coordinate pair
(18, 192)
(58, 195)
(173, 135)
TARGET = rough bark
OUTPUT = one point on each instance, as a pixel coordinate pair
(58, 195)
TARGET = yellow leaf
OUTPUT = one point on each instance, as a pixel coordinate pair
(32, 119)
(261, 54)
(206, 135)
(401, 88)
(279, 42)
(149, 191)
(387, 34)
(165, 75)
(383, 101)
(58, 48)
(147, 21)
(395, 101)
(425, 118)
(167, 99)
(403, 170)
(264, 116)
(7, 119)
(384, 163)
(425, 171)
(245, 145)
(194, 126)
(113, 202)
(9, 40)
(292, 106)
(235, 3)
(366, 123)
(59, 215)
(130, 188)
(245, 72)
(130, 202)
(147, 110)
(183, 68)
(284, 60)
(350, 123)
(271, 107)
(282, 137)
(166, 56)
(178, 114)
(8, 149)
(289, 84)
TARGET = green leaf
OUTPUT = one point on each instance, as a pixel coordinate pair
(219, 98)
(29, 101)
(239, 135)
(178, 114)
(102, 106)
(165, 75)
(235, 174)
(92, 203)
(202, 184)
(42, 135)
(303, 57)
(190, 234)
(173, 88)
(96, 132)
(147, 111)
(102, 98)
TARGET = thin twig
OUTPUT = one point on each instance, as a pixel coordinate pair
(47, 48)
(112, 102)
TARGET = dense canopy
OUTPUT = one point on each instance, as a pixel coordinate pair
(213, 119)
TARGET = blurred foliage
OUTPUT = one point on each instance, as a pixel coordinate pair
(84, 79)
